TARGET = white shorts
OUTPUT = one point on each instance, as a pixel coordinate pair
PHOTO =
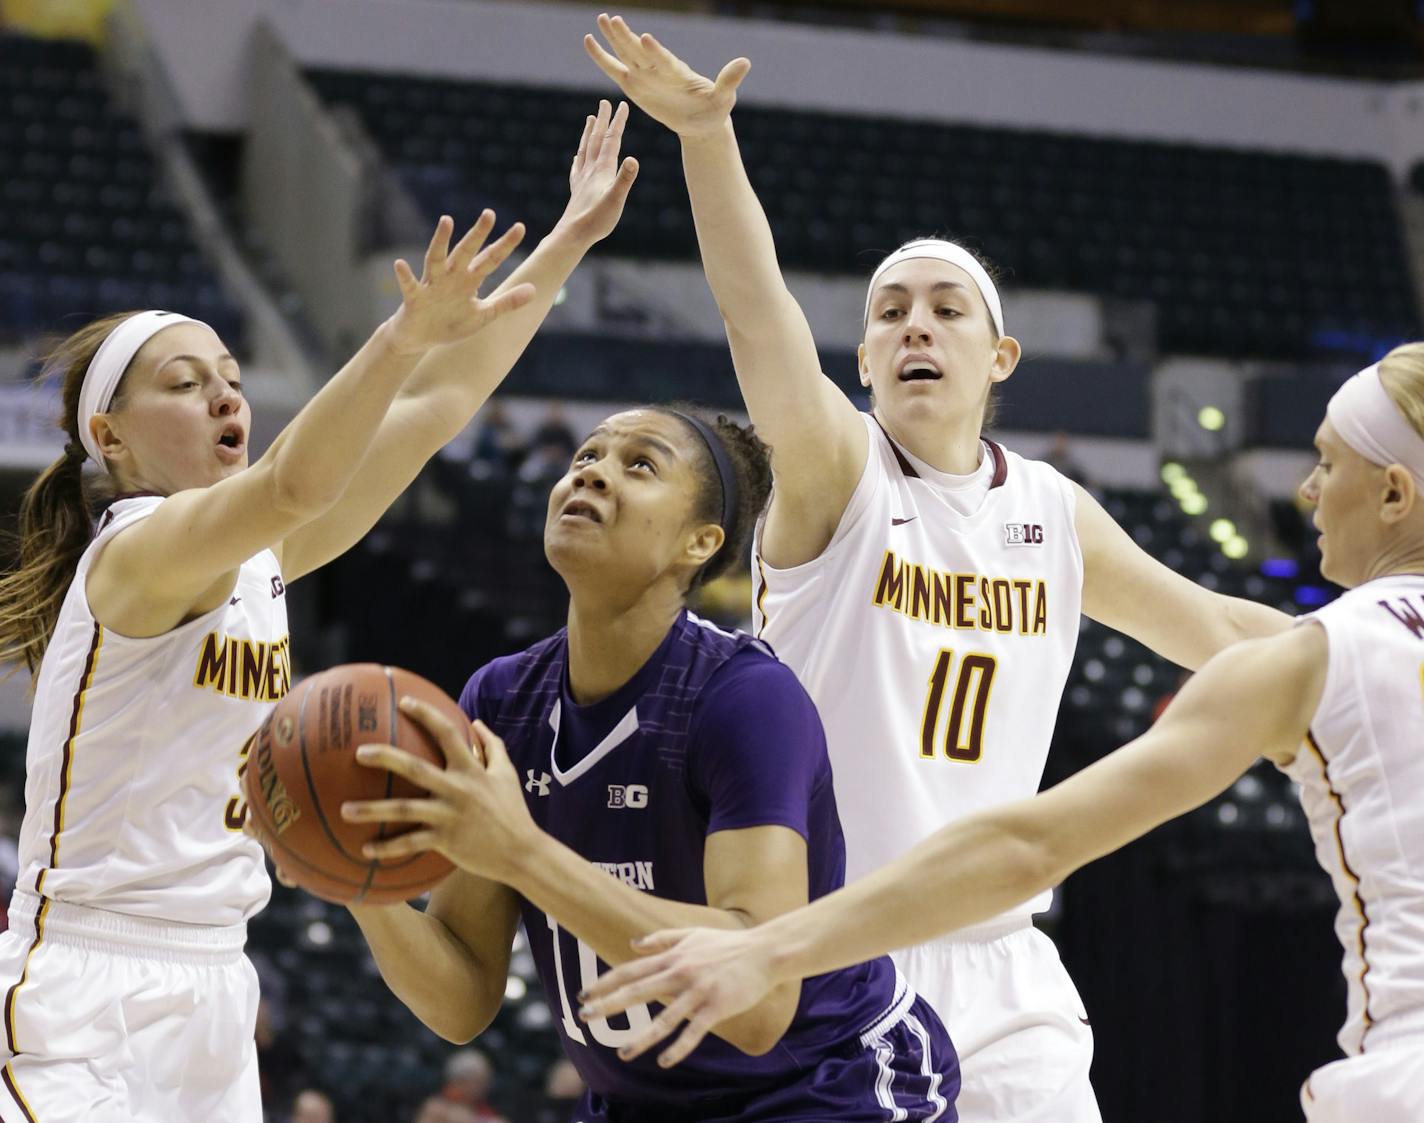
(110, 1017)
(1375, 1087)
(1024, 1043)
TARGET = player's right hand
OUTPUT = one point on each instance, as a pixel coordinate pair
(703, 976)
(443, 304)
(661, 84)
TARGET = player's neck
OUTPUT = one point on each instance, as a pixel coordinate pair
(954, 451)
(608, 644)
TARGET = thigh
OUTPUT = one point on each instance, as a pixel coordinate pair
(1024, 1041)
(191, 1030)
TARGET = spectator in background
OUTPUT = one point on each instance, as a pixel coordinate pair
(468, 1078)
(498, 448)
(554, 431)
(1060, 457)
(281, 1067)
(312, 1106)
(439, 1110)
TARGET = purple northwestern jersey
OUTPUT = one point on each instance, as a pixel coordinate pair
(712, 734)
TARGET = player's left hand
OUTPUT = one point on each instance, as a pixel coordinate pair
(474, 812)
(598, 182)
(702, 975)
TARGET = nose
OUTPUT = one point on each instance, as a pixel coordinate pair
(226, 402)
(590, 475)
(916, 325)
(1309, 490)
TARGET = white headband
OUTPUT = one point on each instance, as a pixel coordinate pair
(1369, 422)
(107, 367)
(955, 255)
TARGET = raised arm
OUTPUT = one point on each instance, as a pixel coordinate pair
(183, 559)
(477, 818)
(452, 382)
(1130, 591)
(818, 442)
(1257, 698)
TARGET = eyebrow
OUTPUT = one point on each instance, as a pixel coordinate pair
(196, 360)
(938, 286)
(655, 443)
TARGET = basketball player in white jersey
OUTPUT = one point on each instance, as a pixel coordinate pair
(1337, 702)
(160, 642)
(925, 584)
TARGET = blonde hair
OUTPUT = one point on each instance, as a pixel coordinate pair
(56, 522)
(1402, 374)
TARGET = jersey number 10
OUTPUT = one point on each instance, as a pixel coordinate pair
(638, 1016)
(968, 702)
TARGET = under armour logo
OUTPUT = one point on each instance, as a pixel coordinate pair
(539, 784)
(1023, 534)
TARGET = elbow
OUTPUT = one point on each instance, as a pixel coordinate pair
(296, 494)
(460, 1027)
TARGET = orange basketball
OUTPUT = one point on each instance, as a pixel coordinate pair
(301, 767)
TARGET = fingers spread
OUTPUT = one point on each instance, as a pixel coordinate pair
(449, 736)
(439, 245)
(732, 74)
(687, 1040)
(605, 62)
(402, 763)
(402, 845)
(396, 810)
(406, 278)
(474, 238)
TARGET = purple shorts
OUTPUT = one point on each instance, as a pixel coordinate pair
(902, 1068)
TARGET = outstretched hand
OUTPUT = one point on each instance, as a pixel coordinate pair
(661, 84)
(703, 976)
(473, 811)
(443, 305)
(598, 183)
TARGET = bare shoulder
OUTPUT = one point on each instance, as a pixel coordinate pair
(814, 482)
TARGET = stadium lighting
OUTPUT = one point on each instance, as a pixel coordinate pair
(1223, 530)
(561, 296)
(1193, 504)
(1172, 472)
(1182, 487)
(1234, 547)
(1211, 419)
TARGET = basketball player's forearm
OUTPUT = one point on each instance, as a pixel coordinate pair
(608, 915)
(456, 380)
(436, 976)
(733, 234)
(317, 454)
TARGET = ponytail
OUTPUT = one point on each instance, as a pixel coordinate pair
(56, 521)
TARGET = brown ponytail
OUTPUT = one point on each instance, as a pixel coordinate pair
(56, 521)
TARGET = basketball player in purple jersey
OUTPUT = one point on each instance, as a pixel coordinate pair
(643, 768)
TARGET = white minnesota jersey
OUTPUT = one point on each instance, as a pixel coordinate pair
(934, 642)
(1361, 777)
(132, 801)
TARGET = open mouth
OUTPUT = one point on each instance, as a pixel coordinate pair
(577, 508)
(231, 438)
(919, 369)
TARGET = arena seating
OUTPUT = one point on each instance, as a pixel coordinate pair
(1243, 253)
(86, 224)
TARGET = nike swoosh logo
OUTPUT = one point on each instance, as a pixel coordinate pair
(901, 522)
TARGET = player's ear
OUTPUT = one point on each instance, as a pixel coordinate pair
(1400, 495)
(703, 542)
(1007, 353)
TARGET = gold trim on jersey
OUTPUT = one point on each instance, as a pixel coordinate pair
(761, 597)
(10, 1037)
(1336, 799)
(76, 721)
(962, 601)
